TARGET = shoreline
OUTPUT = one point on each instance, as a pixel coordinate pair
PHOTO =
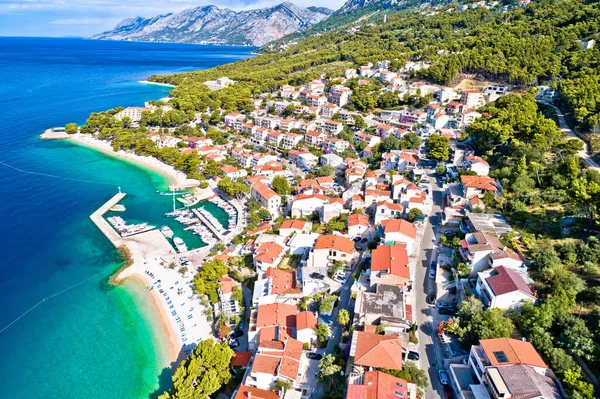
(160, 322)
(174, 176)
(147, 82)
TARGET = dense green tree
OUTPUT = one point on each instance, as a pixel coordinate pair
(343, 317)
(438, 147)
(281, 185)
(322, 331)
(202, 373)
(71, 128)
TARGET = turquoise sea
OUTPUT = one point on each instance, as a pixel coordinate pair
(72, 335)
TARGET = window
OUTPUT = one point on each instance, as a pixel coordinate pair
(501, 356)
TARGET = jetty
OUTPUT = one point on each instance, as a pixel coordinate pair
(210, 226)
(55, 134)
(105, 227)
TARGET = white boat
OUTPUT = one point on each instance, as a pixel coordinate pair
(179, 244)
(117, 208)
(166, 231)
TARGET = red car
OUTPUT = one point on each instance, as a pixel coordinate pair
(448, 394)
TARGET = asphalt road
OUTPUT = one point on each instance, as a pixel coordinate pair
(429, 348)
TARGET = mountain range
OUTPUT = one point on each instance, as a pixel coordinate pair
(214, 25)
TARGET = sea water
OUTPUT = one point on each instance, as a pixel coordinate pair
(73, 335)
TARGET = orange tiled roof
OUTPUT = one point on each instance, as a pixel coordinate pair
(305, 320)
(276, 314)
(268, 252)
(378, 385)
(399, 226)
(293, 224)
(480, 182)
(394, 259)
(336, 242)
(241, 359)
(282, 281)
(357, 219)
(246, 392)
(381, 351)
(515, 350)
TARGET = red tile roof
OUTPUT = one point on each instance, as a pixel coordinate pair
(264, 191)
(268, 252)
(515, 350)
(480, 182)
(265, 364)
(504, 281)
(241, 359)
(356, 219)
(381, 351)
(276, 314)
(246, 392)
(293, 224)
(305, 320)
(227, 283)
(399, 226)
(339, 243)
(378, 385)
(282, 281)
(394, 259)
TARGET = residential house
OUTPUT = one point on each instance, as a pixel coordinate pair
(304, 205)
(476, 248)
(335, 145)
(291, 226)
(275, 138)
(332, 128)
(332, 159)
(268, 254)
(285, 125)
(375, 350)
(227, 305)
(374, 196)
(385, 306)
(316, 100)
(399, 231)
(389, 265)
(305, 327)
(357, 225)
(503, 288)
(355, 170)
(477, 165)
(472, 99)
(387, 209)
(339, 95)
(291, 140)
(314, 138)
(247, 392)
(477, 186)
(368, 138)
(267, 197)
(377, 384)
(330, 249)
(329, 110)
(271, 315)
(232, 172)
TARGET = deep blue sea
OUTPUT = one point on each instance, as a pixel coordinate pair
(86, 339)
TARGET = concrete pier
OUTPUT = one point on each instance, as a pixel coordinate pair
(208, 224)
(103, 225)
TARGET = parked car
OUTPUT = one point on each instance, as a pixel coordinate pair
(412, 355)
(314, 356)
(234, 343)
(356, 239)
(450, 233)
(448, 394)
(446, 305)
(443, 377)
(358, 247)
(236, 334)
(432, 270)
(364, 240)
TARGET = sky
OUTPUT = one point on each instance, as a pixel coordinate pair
(59, 18)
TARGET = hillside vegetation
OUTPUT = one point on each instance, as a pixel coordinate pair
(531, 45)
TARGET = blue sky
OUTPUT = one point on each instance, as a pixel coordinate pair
(86, 17)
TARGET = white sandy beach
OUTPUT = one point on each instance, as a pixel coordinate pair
(179, 311)
(176, 177)
(156, 83)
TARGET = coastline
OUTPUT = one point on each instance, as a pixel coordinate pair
(174, 176)
(147, 82)
(164, 329)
